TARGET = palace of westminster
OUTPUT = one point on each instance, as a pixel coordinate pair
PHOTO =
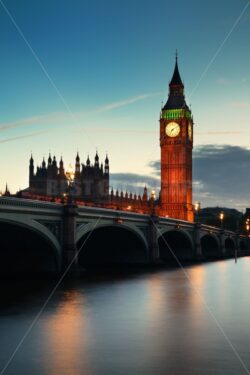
(91, 181)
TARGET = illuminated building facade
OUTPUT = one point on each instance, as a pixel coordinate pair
(176, 142)
(91, 181)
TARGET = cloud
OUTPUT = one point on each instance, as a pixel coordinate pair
(241, 105)
(112, 130)
(223, 170)
(59, 117)
(125, 102)
(42, 119)
(221, 175)
(10, 139)
(245, 79)
(222, 133)
(224, 81)
(132, 182)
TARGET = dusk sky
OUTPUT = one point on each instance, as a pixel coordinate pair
(86, 75)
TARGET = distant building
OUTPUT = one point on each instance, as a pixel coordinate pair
(90, 186)
(247, 213)
(91, 181)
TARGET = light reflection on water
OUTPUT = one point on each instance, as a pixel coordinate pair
(157, 322)
(62, 335)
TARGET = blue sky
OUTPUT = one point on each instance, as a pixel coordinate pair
(103, 71)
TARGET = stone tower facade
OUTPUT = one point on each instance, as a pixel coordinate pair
(176, 142)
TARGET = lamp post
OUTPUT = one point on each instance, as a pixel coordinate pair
(70, 252)
(247, 225)
(153, 231)
(221, 216)
(197, 207)
(152, 197)
(70, 179)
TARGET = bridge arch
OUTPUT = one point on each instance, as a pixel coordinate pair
(176, 243)
(107, 244)
(230, 247)
(243, 245)
(27, 245)
(210, 246)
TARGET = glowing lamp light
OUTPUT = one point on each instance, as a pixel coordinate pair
(129, 208)
(221, 216)
(153, 194)
(70, 174)
(247, 224)
(118, 220)
(197, 207)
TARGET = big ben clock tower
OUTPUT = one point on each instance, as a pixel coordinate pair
(176, 141)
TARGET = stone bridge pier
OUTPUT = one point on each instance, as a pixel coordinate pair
(69, 248)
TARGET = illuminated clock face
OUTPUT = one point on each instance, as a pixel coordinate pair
(190, 130)
(172, 129)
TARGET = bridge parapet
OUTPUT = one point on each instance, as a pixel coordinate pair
(9, 202)
(109, 214)
(216, 230)
(176, 222)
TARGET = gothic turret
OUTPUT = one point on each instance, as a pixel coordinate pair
(54, 167)
(61, 168)
(77, 166)
(31, 168)
(145, 194)
(49, 160)
(43, 163)
(54, 162)
(96, 160)
(7, 192)
(176, 98)
(106, 167)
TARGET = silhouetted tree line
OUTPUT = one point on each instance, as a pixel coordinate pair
(233, 219)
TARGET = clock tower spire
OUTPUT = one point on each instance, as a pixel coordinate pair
(176, 142)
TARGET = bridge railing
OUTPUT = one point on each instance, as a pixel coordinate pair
(210, 228)
(175, 222)
(21, 202)
(111, 213)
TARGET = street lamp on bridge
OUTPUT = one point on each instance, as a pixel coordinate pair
(221, 216)
(197, 207)
(247, 225)
(152, 197)
(70, 175)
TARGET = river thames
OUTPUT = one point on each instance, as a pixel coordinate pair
(165, 321)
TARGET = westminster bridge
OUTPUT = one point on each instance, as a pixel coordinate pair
(49, 236)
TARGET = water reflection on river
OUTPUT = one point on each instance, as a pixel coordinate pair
(155, 322)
